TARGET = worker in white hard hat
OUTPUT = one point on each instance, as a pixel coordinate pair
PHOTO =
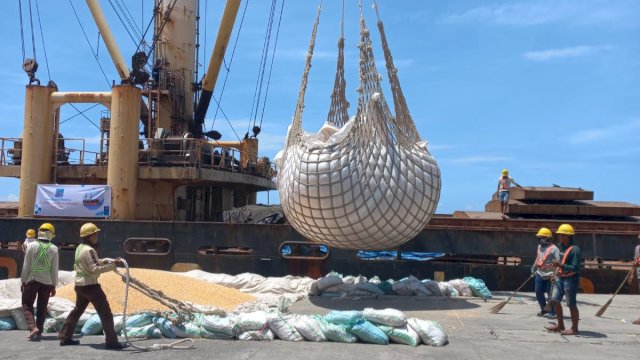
(88, 268)
(504, 186)
(543, 269)
(39, 278)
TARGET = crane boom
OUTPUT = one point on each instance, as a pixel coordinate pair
(215, 62)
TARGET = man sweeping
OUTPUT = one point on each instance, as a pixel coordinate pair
(544, 269)
(568, 276)
(88, 268)
(39, 278)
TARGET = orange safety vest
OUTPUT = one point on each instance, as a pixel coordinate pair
(564, 260)
(541, 260)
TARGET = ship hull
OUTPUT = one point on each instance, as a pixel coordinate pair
(499, 252)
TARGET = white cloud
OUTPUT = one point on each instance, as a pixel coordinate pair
(527, 13)
(569, 52)
(591, 135)
(477, 159)
(10, 198)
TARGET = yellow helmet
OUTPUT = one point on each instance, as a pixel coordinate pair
(31, 233)
(88, 229)
(505, 172)
(565, 229)
(544, 232)
(47, 227)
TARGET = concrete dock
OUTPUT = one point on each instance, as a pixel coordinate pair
(515, 333)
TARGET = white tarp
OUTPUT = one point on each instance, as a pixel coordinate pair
(91, 201)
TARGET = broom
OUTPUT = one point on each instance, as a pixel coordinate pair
(605, 306)
(497, 308)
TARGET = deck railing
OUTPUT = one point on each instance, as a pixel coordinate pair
(185, 152)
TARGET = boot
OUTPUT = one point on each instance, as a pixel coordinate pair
(575, 317)
(560, 326)
(114, 346)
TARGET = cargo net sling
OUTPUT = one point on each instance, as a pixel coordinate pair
(368, 182)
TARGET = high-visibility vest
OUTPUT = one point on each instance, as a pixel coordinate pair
(564, 260)
(42, 263)
(76, 262)
(542, 259)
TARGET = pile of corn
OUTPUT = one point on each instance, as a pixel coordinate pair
(172, 285)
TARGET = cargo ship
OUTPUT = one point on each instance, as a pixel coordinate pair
(174, 185)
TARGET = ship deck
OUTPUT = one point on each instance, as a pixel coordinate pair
(473, 332)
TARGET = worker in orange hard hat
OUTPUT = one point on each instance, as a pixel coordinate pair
(543, 269)
(30, 237)
(504, 186)
(39, 278)
(567, 280)
(88, 268)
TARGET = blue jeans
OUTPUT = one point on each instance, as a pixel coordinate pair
(542, 286)
(503, 196)
(566, 286)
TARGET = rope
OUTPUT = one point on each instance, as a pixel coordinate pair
(296, 126)
(338, 114)
(89, 43)
(174, 345)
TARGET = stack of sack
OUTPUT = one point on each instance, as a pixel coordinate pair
(336, 285)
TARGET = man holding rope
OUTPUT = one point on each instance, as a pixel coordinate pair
(88, 268)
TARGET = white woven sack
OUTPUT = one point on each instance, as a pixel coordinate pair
(364, 183)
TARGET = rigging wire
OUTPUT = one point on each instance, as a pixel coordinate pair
(261, 69)
(21, 31)
(44, 48)
(89, 43)
(273, 54)
(165, 18)
(226, 117)
(85, 116)
(126, 28)
(204, 53)
(78, 114)
(126, 14)
(33, 39)
(144, 35)
(228, 69)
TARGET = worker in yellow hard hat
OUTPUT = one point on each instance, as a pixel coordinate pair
(504, 186)
(88, 268)
(543, 269)
(567, 280)
(39, 278)
(30, 236)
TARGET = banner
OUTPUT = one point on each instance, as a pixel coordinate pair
(89, 201)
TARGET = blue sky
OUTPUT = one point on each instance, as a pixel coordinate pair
(547, 88)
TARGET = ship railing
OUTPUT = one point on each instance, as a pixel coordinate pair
(158, 152)
(10, 151)
(190, 152)
(73, 151)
